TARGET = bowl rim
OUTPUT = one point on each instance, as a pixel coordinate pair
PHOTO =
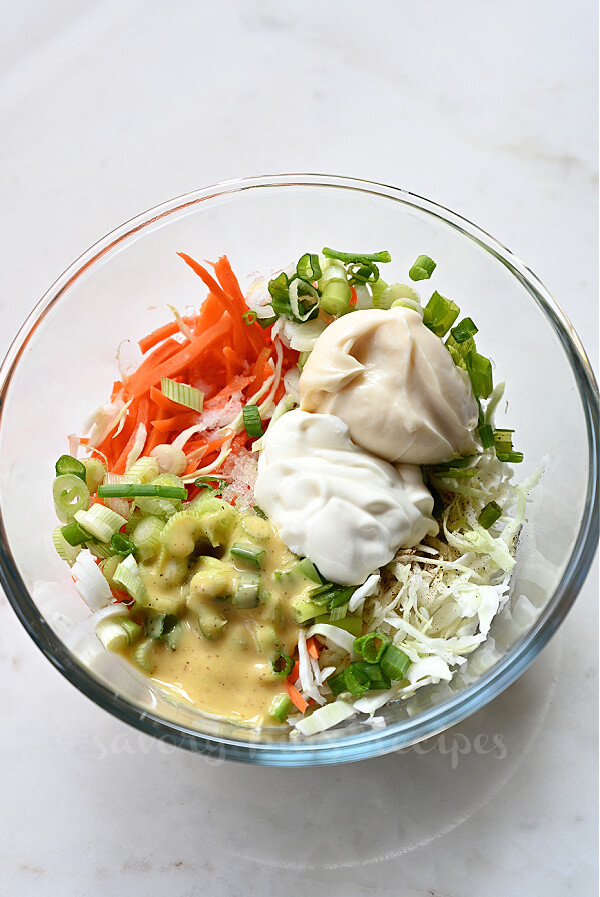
(432, 720)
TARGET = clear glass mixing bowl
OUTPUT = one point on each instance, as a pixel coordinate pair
(63, 362)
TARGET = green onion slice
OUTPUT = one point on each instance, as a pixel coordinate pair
(479, 369)
(361, 272)
(308, 267)
(116, 633)
(121, 545)
(337, 683)
(422, 269)
(282, 665)
(75, 534)
(356, 680)
(503, 439)
(464, 330)
(211, 482)
(160, 626)
(69, 464)
(248, 553)
(280, 707)
(394, 663)
(308, 569)
(489, 515)
(486, 434)
(331, 595)
(247, 594)
(510, 457)
(250, 317)
(353, 257)
(440, 314)
(457, 473)
(252, 421)
(377, 678)
(134, 490)
(372, 645)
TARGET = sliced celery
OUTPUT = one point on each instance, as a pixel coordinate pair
(116, 633)
(210, 623)
(144, 655)
(100, 521)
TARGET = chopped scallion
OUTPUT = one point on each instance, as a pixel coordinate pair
(116, 633)
(282, 665)
(360, 272)
(509, 457)
(68, 464)
(350, 257)
(337, 683)
(247, 593)
(75, 534)
(372, 645)
(486, 434)
(280, 707)
(252, 421)
(308, 267)
(211, 482)
(440, 314)
(394, 663)
(464, 330)
(160, 626)
(422, 269)
(248, 553)
(489, 515)
(135, 490)
(121, 545)
(338, 613)
(356, 680)
(479, 369)
(373, 672)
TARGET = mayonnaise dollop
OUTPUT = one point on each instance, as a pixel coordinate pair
(395, 384)
(331, 501)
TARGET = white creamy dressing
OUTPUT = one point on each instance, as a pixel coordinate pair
(395, 384)
(342, 507)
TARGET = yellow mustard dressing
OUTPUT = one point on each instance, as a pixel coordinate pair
(222, 658)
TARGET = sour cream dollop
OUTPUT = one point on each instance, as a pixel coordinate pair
(395, 384)
(331, 501)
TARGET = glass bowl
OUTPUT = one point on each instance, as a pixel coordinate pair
(63, 362)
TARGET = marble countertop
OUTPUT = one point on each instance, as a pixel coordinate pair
(107, 108)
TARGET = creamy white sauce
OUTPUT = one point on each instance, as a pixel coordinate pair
(331, 501)
(395, 384)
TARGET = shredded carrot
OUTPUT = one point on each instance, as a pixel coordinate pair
(237, 384)
(312, 647)
(143, 379)
(226, 358)
(228, 280)
(180, 422)
(296, 697)
(157, 336)
(161, 401)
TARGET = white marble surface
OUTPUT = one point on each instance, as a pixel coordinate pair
(108, 108)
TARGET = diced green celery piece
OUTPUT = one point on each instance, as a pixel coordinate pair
(210, 623)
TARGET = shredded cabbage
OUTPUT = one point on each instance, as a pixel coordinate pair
(436, 601)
